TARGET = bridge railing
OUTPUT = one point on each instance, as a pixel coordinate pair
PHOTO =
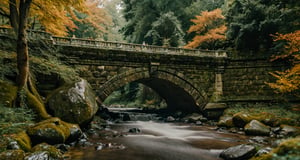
(136, 47)
(67, 41)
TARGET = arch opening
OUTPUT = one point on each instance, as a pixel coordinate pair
(177, 91)
(135, 95)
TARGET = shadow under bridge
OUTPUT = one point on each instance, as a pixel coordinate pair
(179, 93)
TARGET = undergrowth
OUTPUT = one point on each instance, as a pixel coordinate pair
(281, 111)
(14, 120)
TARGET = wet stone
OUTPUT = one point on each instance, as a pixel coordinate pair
(134, 130)
(39, 155)
(257, 128)
(170, 119)
(262, 151)
(240, 152)
(13, 145)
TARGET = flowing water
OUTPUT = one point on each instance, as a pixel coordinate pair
(157, 141)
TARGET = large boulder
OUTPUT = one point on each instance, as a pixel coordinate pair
(75, 103)
(257, 128)
(241, 119)
(240, 152)
(53, 131)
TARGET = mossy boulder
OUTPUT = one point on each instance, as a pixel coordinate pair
(74, 103)
(225, 121)
(241, 119)
(12, 155)
(52, 131)
(44, 149)
(8, 93)
(257, 128)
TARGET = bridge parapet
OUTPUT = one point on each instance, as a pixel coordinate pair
(137, 47)
(89, 43)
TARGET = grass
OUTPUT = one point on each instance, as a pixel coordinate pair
(13, 121)
(280, 111)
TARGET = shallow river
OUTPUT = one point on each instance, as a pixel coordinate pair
(157, 141)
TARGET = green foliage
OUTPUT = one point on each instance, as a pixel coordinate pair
(135, 95)
(289, 149)
(251, 23)
(146, 16)
(7, 65)
(166, 31)
(14, 120)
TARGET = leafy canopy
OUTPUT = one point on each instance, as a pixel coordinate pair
(57, 16)
(250, 23)
(289, 80)
(209, 28)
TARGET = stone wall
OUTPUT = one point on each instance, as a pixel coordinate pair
(245, 80)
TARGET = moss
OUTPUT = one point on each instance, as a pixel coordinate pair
(241, 119)
(53, 152)
(263, 157)
(23, 140)
(52, 131)
(270, 115)
(12, 155)
(290, 146)
(8, 93)
(37, 106)
(225, 121)
(288, 149)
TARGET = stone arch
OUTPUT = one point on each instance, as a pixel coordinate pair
(178, 91)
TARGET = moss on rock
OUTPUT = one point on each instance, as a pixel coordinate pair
(225, 121)
(288, 149)
(53, 152)
(74, 103)
(51, 131)
(241, 119)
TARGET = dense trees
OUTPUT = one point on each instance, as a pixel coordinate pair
(154, 21)
(251, 23)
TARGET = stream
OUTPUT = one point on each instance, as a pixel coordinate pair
(155, 140)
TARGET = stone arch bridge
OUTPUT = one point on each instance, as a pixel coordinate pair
(189, 80)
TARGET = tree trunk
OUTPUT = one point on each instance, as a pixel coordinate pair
(13, 16)
(22, 45)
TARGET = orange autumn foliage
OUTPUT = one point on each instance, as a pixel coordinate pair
(289, 80)
(97, 16)
(58, 16)
(209, 27)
